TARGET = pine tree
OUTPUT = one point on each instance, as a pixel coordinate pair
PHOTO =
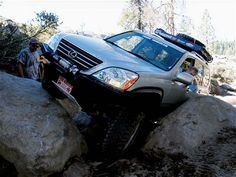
(206, 31)
(132, 17)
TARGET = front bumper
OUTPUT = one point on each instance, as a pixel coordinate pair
(88, 91)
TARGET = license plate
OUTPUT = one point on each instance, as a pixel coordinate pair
(66, 86)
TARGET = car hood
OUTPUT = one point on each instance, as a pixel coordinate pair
(110, 54)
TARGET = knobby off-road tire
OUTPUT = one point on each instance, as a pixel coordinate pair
(121, 134)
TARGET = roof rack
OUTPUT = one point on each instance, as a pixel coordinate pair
(186, 42)
(199, 56)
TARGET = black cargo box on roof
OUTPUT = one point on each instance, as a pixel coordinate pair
(186, 42)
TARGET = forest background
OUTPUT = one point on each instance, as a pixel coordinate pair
(144, 15)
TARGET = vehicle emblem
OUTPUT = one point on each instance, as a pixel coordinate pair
(72, 54)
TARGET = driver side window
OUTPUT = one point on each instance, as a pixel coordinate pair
(186, 64)
(202, 77)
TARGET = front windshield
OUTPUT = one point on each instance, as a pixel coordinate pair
(149, 49)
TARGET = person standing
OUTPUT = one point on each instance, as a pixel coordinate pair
(28, 61)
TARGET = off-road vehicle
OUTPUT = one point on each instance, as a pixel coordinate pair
(124, 79)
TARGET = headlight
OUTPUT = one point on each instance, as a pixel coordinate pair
(117, 77)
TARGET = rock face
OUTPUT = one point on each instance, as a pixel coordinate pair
(195, 123)
(36, 134)
(78, 169)
(197, 139)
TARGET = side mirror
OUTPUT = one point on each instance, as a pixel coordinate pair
(184, 78)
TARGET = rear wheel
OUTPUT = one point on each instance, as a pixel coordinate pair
(121, 134)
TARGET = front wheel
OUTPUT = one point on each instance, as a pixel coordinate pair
(121, 134)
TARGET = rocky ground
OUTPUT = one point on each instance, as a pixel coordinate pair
(211, 153)
(197, 139)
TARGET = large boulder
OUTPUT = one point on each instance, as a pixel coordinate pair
(197, 139)
(231, 99)
(36, 134)
(78, 169)
(195, 123)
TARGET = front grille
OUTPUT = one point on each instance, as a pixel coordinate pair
(76, 56)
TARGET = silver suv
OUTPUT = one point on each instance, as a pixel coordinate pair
(125, 79)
